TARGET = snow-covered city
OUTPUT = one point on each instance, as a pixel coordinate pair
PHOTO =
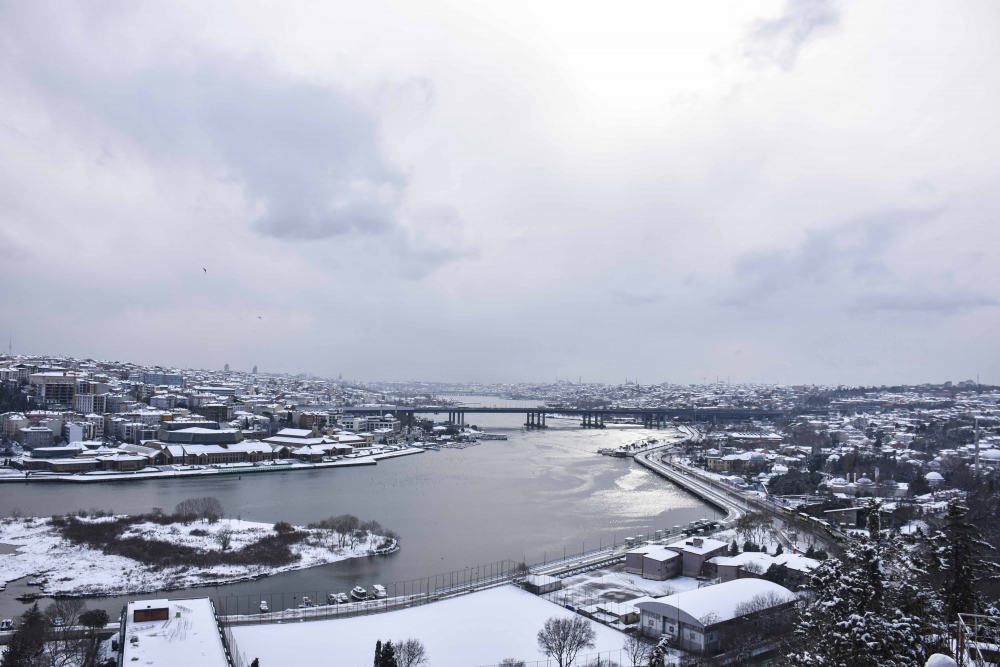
(499, 334)
(818, 494)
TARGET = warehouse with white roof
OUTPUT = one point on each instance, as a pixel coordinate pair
(697, 620)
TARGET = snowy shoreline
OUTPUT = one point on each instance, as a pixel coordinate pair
(75, 570)
(10, 475)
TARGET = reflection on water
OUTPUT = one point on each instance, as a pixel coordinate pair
(528, 497)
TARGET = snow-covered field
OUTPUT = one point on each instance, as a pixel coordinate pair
(477, 629)
(71, 569)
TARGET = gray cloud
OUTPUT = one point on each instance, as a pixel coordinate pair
(930, 301)
(779, 40)
(307, 155)
(634, 298)
(641, 208)
(848, 268)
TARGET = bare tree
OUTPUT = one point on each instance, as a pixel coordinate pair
(65, 648)
(373, 528)
(602, 662)
(637, 649)
(345, 525)
(224, 536)
(207, 509)
(520, 573)
(411, 653)
(563, 638)
(511, 662)
(756, 621)
(753, 527)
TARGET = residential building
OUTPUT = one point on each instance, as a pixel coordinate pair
(35, 436)
(87, 403)
(55, 388)
(696, 551)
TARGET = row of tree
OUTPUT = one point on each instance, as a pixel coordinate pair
(53, 638)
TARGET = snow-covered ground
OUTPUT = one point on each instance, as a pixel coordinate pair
(616, 579)
(477, 629)
(71, 569)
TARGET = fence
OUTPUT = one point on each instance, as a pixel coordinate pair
(237, 610)
(617, 658)
(978, 641)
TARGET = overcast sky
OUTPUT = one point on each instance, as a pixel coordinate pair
(800, 191)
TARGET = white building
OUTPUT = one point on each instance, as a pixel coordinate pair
(697, 620)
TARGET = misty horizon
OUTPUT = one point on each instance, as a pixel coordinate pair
(794, 192)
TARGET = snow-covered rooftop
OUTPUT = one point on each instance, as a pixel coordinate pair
(719, 603)
(189, 635)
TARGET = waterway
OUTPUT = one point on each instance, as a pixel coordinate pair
(533, 497)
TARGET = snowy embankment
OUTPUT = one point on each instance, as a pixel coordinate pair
(76, 569)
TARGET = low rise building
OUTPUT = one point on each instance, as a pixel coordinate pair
(31, 437)
(149, 639)
(698, 620)
(696, 551)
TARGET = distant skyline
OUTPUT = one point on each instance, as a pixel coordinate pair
(799, 191)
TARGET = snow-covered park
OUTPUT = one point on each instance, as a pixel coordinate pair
(477, 629)
(77, 569)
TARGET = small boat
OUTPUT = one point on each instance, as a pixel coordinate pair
(331, 598)
(36, 582)
(359, 593)
(306, 602)
(378, 591)
(342, 598)
(6, 624)
(27, 597)
(263, 607)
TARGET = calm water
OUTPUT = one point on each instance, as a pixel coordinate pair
(531, 497)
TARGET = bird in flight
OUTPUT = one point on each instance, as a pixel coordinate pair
(204, 269)
(259, 318)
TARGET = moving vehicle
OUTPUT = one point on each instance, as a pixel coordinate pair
(359, 593)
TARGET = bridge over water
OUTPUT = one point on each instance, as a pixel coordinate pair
(590, 417)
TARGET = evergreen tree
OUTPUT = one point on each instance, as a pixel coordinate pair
(868, 613)
(28, 640)
(255, 663)
(378, 653)
(388, 655)
(811, 552)
(874, 523)
(956, 560)
(734, 549)
(659, 653)
(779, 550)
